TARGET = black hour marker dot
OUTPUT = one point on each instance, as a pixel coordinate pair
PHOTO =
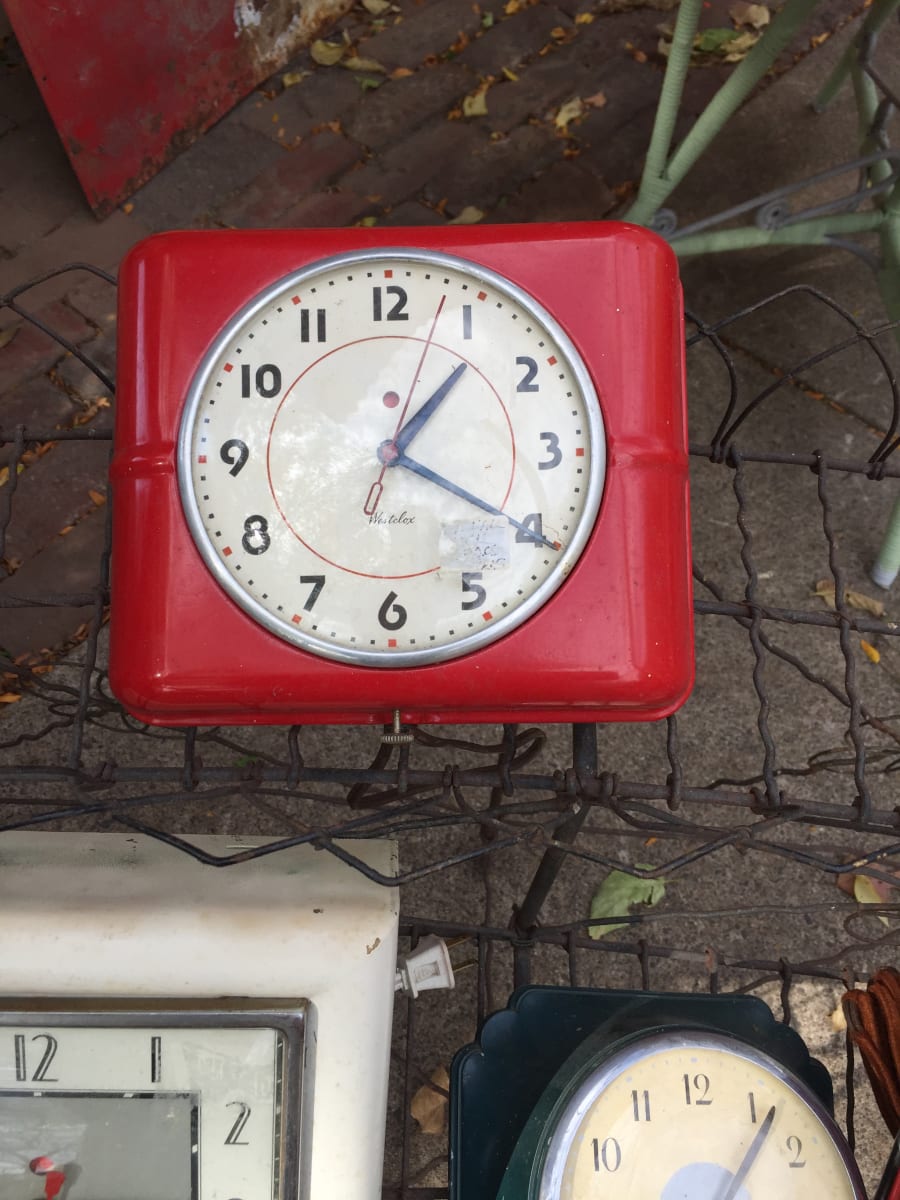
(265, 321)
(252, 335)
(279, 310)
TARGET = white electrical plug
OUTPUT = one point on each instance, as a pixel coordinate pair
(425, 968)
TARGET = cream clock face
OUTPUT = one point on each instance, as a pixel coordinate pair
(392, 457)
(680, 1115)
(136, 1105)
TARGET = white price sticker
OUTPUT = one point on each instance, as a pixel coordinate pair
(475, 545)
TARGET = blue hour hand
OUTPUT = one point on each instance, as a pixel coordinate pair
(393, 459)
(415, 422)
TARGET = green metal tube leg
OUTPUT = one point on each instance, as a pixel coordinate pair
(887, 564)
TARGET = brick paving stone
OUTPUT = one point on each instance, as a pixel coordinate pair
(20, 98)
(412, 212)
(68, 564)
(37, 404)
(31, 352)
(494, 168)
(324, 210)
(515, 39)
(283, 118)
(227, 158)
(401, 106)
(403, 169)
(567, 191)
(39, 190)
(293, 175)
(541, 87)
(94, 298)
(79, 379)
(425, 32)
(54, 492)
(81, 238)
(327, 94)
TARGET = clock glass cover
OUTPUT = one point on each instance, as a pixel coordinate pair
(391, 457)
(694, 1114)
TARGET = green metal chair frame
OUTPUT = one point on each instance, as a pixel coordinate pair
(776, 226)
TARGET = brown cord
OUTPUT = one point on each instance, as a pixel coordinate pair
(873, 1022)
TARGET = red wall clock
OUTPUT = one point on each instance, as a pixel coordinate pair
(440, 472)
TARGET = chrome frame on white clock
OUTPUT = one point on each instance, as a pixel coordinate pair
(199, 1056)
(589, 502)
(119, 921)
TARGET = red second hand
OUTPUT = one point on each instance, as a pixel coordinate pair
(53, 1179)
(377, 487)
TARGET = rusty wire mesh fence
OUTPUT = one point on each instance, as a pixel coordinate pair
(774, 783)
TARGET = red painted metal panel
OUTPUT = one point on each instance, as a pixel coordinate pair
(131, 84)
(614, 643)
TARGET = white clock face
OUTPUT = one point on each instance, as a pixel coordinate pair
(696, 1115)
(392, 457)
(132, 1111)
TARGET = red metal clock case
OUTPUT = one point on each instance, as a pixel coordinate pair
(614, 643)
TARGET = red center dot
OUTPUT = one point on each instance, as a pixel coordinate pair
(390, 399)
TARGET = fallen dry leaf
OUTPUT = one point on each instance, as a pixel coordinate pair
(570, 111)
(354, 63)
(585, 18)
(869, 651)
(377, 7)
(510, 75)
(326, 54)
(757, 16)
(825, 591)
(822, 37)
(741, 46)
(475, 104)
(838, 1020)
(598, 100)
(97, 497)
(10, 697)
(429, 1106)
(470, 215)
(400, 72)
(292, 78)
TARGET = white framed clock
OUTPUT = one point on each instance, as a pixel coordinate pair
(172, 1031)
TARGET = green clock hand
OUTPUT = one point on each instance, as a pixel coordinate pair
(750, 1157)
(388, 454)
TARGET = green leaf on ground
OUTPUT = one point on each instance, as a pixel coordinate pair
(711, 41)
(617, 895)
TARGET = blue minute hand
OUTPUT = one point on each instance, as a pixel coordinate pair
(415, 423)
(426, 473)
